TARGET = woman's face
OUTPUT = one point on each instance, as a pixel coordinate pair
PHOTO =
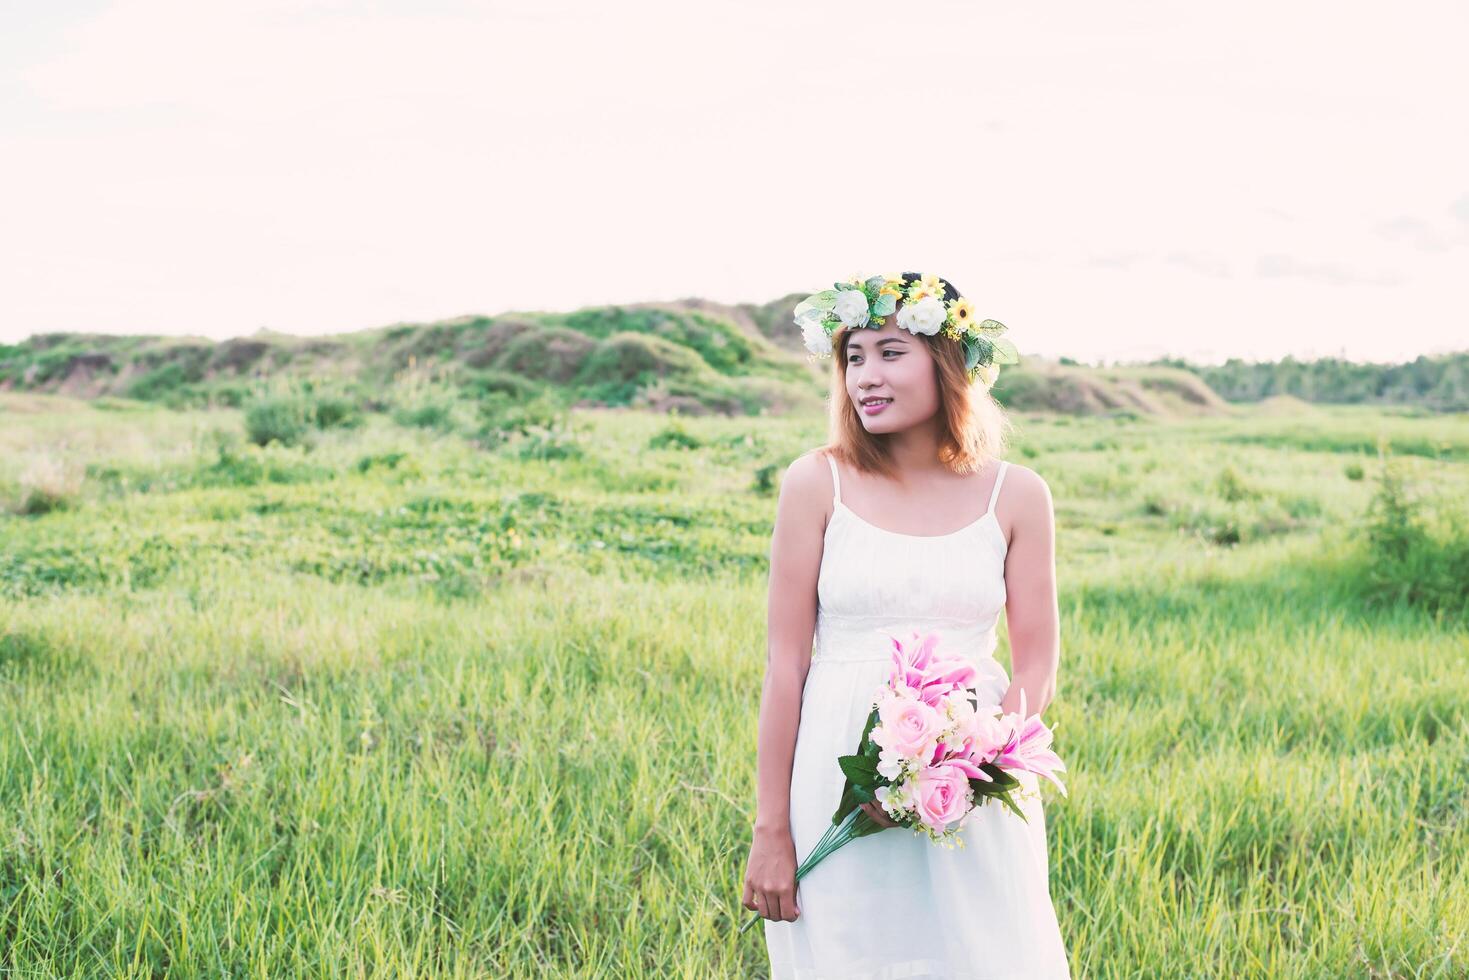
(891, 363)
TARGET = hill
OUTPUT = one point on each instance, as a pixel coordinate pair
(689, 356)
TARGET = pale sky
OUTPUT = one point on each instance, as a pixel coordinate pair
(1112, 180)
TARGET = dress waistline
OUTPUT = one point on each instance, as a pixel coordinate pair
(860, 639)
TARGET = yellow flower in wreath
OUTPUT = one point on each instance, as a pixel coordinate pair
(962, 314)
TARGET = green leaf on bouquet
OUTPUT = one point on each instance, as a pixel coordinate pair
(863, 794)
(859, 769)
(1000, 780)
(867, 729)
(1005, 799)
(990, 327)
(885, 305)
(849, 803)
(875, 282)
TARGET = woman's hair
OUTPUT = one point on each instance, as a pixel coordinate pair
(973, 427)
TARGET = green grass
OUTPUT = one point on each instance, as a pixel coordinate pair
(401, 704)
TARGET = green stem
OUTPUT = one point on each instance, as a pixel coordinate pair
(855, 824)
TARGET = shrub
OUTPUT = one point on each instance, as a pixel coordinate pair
(387, 461)
(426, 414)
(1405, 560)
(336, 412)
(626, 362)
(552, 354)
(503, 418)
(1155, 505)
(1232, 487)
(157, 383)
(278, 418)
(488, 384)
(48, 484)
(674, 437)
(765, 480)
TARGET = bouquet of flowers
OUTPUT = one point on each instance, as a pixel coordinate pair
(932, 751)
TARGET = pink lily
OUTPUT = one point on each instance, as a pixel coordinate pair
(1029, 747)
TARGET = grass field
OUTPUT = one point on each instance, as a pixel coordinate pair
(398, 705)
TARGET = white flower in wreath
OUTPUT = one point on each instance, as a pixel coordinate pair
(925, 316)
(851, 308)
(817, 340)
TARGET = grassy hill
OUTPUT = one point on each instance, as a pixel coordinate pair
(694, 357)
(691, 357)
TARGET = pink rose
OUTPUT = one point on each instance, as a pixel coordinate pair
(909, 727)
(943, 793)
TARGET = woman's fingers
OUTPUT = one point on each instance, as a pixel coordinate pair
(748, 900)
(878, 815)
(770, 906)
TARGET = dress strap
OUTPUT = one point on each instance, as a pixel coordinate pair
(995, 493)
(836, 482)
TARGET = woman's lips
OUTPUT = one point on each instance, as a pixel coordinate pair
(875, 408)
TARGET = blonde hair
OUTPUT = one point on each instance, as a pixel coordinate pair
(973, 427)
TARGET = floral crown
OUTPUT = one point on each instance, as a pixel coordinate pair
(865, 303)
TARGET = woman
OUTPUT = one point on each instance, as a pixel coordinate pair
(900, 524)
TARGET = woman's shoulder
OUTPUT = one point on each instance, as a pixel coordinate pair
(1024, 487)
(811, 469)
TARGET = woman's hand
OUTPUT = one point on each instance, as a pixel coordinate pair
(770, 876)
(878, 815)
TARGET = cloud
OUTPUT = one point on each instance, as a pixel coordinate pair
(1204, 263)
(1460, 209)
(1286, 266)
(1414, 231)
(1116, 260)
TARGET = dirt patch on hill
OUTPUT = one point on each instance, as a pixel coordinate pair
(1046, 386)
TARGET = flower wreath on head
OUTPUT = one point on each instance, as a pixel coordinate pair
(862, 302)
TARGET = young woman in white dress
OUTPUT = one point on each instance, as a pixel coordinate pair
(897, 525)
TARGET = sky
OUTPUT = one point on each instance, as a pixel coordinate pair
(1113, 181)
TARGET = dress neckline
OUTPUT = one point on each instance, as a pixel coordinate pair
(839, 505)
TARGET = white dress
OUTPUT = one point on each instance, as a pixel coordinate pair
(895, 904)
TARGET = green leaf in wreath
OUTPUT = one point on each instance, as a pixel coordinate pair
(1005, 352)
(971, 353)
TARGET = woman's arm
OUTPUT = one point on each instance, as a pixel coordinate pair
(1031, 613)
(795, 561)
